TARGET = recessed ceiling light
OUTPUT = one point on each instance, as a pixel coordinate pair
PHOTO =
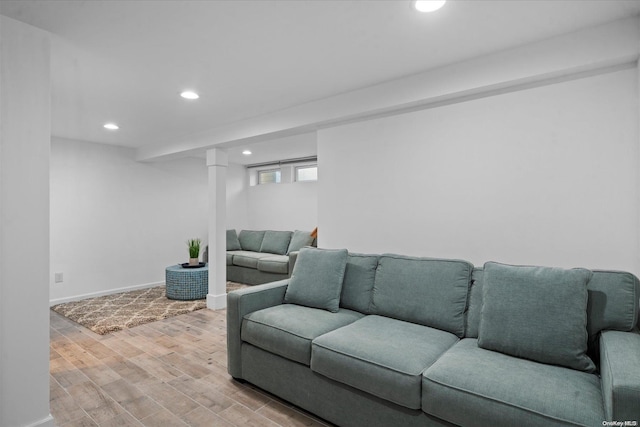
(111, 126)
(428, 5)
(246, 152)
(188, 94)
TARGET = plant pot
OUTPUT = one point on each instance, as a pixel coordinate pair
(194, 261)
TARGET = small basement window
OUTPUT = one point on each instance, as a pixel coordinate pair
(307, 173)
(271, 176)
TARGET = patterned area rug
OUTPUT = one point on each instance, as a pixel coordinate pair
(110, 313)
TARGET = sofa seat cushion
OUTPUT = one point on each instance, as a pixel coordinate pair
(274, 264)
(496, 389)
(288, 329)
(248, 259)
(381, 356)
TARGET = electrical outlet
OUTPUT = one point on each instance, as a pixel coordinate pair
(59, 277)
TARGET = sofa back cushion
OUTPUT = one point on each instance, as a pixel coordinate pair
(317, 278)
(251, 240)
(613, 301)
(430, 292)
(276, 242)
(358, 281)
(233, 244)
(474, 306)
(536, 313)
(299, 239)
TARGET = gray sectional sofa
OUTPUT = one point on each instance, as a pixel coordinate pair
(389, 340)
(261, 256)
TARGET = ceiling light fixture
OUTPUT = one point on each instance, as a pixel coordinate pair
(111, 126)
(428, 5)
(188, 94)
(246, 152)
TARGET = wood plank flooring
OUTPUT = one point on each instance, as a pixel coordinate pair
(162, 374)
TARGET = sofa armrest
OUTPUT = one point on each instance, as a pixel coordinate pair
(620, 372)
(242, 302)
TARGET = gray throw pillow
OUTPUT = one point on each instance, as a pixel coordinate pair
(233, 244)
(536, 313)
(299, 240)
(317, 277)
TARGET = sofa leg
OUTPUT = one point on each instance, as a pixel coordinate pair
(240, 380)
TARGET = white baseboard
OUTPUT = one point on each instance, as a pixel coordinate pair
(216, 302)
(101, 293)
(46, 422)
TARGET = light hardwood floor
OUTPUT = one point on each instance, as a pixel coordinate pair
(162, 374)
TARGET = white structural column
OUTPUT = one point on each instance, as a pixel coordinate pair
(217, 164)
(25, 132)
(637, 180)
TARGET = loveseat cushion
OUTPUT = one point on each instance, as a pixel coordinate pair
(288, 329)
(471, 386)
(381, 356)
(274, 264)
(299, 239)
(358, 281)
(233, 244)
(431, 292)
(248, 259)
(538, 313)
(316, 280)
(251, 240)
(276, 242)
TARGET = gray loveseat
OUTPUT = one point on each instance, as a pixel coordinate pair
(389, 340)
(261, 256)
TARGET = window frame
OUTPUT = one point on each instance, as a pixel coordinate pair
(277, 176)
(307, 166)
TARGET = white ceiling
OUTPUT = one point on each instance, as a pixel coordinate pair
(127, 61)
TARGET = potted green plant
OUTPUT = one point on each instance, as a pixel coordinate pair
(194, 251)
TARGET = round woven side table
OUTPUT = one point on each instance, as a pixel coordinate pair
(187, 283)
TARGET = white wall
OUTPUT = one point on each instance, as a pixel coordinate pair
(284, 206)
(117, 223)
(540, 176)
(237, 184)
(24, 225)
